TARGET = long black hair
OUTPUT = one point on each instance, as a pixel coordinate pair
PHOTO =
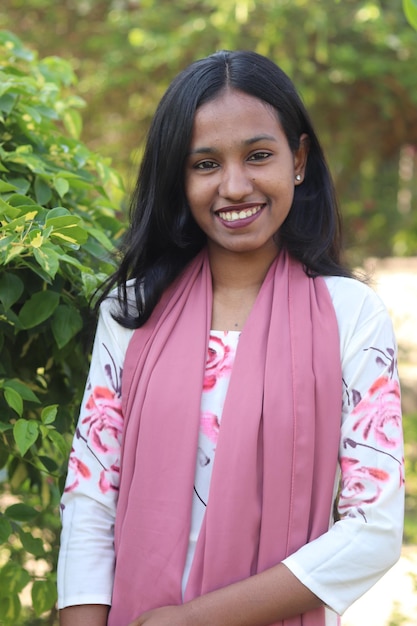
(163, 236)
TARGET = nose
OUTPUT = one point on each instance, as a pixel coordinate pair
(235, 183)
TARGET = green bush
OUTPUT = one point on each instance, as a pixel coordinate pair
(58, 227)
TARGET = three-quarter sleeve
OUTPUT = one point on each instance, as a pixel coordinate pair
(365, 540)
(88, 505)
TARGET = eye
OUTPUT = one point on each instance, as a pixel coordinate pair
(261, 155)
(205, 165)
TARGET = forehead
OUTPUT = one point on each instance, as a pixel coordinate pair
(237, 113)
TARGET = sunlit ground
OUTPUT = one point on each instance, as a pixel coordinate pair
(393, 600)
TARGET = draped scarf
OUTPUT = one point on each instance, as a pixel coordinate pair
(273, 477)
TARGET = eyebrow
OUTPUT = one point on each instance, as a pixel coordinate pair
(246, 142)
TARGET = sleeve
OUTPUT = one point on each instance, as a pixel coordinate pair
(366, 539)
(88, 504)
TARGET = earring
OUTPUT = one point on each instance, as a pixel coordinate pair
(298, 177)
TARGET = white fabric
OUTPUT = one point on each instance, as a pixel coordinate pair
(339, 566)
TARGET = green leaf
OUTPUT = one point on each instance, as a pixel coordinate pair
(59, 221)
(61, 185)
(21, 512)
(38, 308)
(32, 112)
(31, 544)
(18, 474)
(58, 211)
(5, 529)
(22, 389)
(22, 184)
(59, 441)
(73, 122)
(14, 400)
(43, 192)
(70, 237)
(102, 238)
(8, 210)
(48, 258)
(25, 434)
(50, 465)
(67, 229)
(410, 10)
(11, 288)
(37, 270)
(13, 578)
(48, 414)
(14, 251)
(5, 187)
(7, 102)
(66, 323)
(20, 200)
(57, 70)
(44, 596)
(10, 607)
(13, 43)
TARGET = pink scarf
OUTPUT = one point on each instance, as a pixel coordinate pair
(276, 457)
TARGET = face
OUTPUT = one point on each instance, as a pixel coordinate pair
(241, 173)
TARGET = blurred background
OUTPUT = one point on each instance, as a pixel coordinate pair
(354, 63)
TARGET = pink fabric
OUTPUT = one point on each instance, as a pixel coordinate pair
(276, 457)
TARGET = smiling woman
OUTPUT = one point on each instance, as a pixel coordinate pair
(241, 173)
(236, 468)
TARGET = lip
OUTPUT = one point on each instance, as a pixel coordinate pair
(230, 216)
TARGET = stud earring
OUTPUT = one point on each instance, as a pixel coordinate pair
(298, 177)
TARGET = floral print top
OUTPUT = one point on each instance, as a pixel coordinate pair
(340, 565)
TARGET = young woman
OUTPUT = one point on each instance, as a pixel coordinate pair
(238, 458)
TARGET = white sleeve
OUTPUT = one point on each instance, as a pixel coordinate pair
(86, 557)
(365, 542)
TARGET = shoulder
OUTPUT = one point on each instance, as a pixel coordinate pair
(108, 327)
(354, 299)
(362, 317)
(110, 307)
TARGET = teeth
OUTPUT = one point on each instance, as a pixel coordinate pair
(233, 216)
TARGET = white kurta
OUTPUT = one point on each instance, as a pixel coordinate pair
(340, 565)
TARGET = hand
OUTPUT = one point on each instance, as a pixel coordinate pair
(165, 616)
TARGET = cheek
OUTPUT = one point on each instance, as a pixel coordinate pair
(191, 189)
(198, 193)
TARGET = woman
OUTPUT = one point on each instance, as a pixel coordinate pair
(256, 427)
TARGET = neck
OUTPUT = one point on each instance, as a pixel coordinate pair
(237, 279)
(240, 271)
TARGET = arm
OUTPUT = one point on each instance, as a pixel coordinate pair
(351, 557)
(86, 558)
(84, 615)
(250, 602)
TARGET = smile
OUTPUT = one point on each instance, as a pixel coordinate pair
(235, 216)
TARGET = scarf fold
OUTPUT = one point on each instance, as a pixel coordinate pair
(273, 476)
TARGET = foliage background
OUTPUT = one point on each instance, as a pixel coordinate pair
(353, 60)
(95, 69)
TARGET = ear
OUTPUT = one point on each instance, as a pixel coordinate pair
(300, 159)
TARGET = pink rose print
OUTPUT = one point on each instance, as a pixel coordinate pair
(359, 483)
(218, 362)
(105, 420)
(379, 413)
(209, 424)
(104, 483)
(77, 469)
